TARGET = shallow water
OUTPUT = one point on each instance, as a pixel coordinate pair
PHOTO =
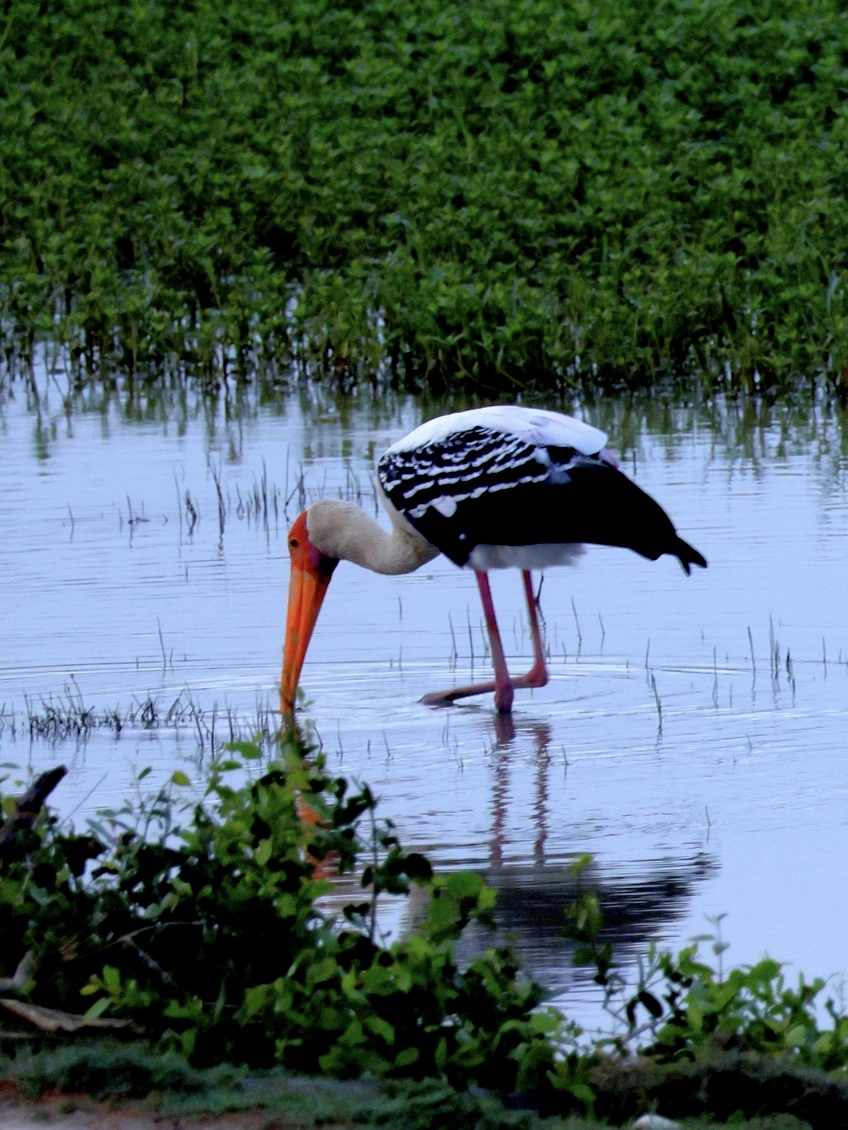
(692, 737)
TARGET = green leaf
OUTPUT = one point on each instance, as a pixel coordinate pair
(546, 1022)
(323, 970)
(464, 884)
(583, 1093)
(650, 1002)
(381, 1028)
(407, 1057)
(255, 998)
(97, 1009)
(580, 865)
(111, 977)
(248, 750)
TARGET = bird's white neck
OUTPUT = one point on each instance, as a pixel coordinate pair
(342, 530)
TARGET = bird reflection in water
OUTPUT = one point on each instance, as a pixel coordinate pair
(506, 731)
(639, 899)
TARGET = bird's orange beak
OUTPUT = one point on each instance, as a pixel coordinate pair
(311, 571)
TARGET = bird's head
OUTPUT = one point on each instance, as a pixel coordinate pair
(311, 571)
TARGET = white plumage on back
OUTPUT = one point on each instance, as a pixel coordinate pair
(535, 426)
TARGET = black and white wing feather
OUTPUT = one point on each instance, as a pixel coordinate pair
(519, 477)
(461, 468)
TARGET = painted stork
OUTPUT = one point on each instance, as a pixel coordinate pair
(491, 488)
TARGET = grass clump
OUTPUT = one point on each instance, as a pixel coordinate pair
(129, 1074)
(489, 195)
(169, 1088)
(111, 1070)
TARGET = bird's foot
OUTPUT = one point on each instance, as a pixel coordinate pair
(445, 698)
(537, 676)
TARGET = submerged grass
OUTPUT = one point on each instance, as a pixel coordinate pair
(488, 195)
(68, 717)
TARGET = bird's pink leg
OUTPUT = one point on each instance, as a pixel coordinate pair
(502, 685)
(537, 676)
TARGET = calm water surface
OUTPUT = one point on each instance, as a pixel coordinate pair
(693, 734)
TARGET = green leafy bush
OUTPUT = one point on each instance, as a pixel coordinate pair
(482, 195)
(201, 925)
(682, 1008)
(698, 1010)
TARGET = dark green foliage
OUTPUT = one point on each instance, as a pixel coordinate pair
(730, 1087)
(750, 1009)
(487, 193)
(202, 926)
(727, 1087)
(681, 1008)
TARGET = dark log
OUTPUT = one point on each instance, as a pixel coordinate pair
(27, 808)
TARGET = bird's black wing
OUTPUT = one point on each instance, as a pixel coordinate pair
(486, 487)
(441, 487)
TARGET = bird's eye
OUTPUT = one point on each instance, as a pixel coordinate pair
(293, 543)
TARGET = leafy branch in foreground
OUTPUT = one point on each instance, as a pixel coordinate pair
(203, 928)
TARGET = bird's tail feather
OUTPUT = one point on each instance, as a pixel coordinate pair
(688, 555)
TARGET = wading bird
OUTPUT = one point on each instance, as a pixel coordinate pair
(491, 488)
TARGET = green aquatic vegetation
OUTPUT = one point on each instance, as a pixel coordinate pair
(484, 195)
(751, 1008)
